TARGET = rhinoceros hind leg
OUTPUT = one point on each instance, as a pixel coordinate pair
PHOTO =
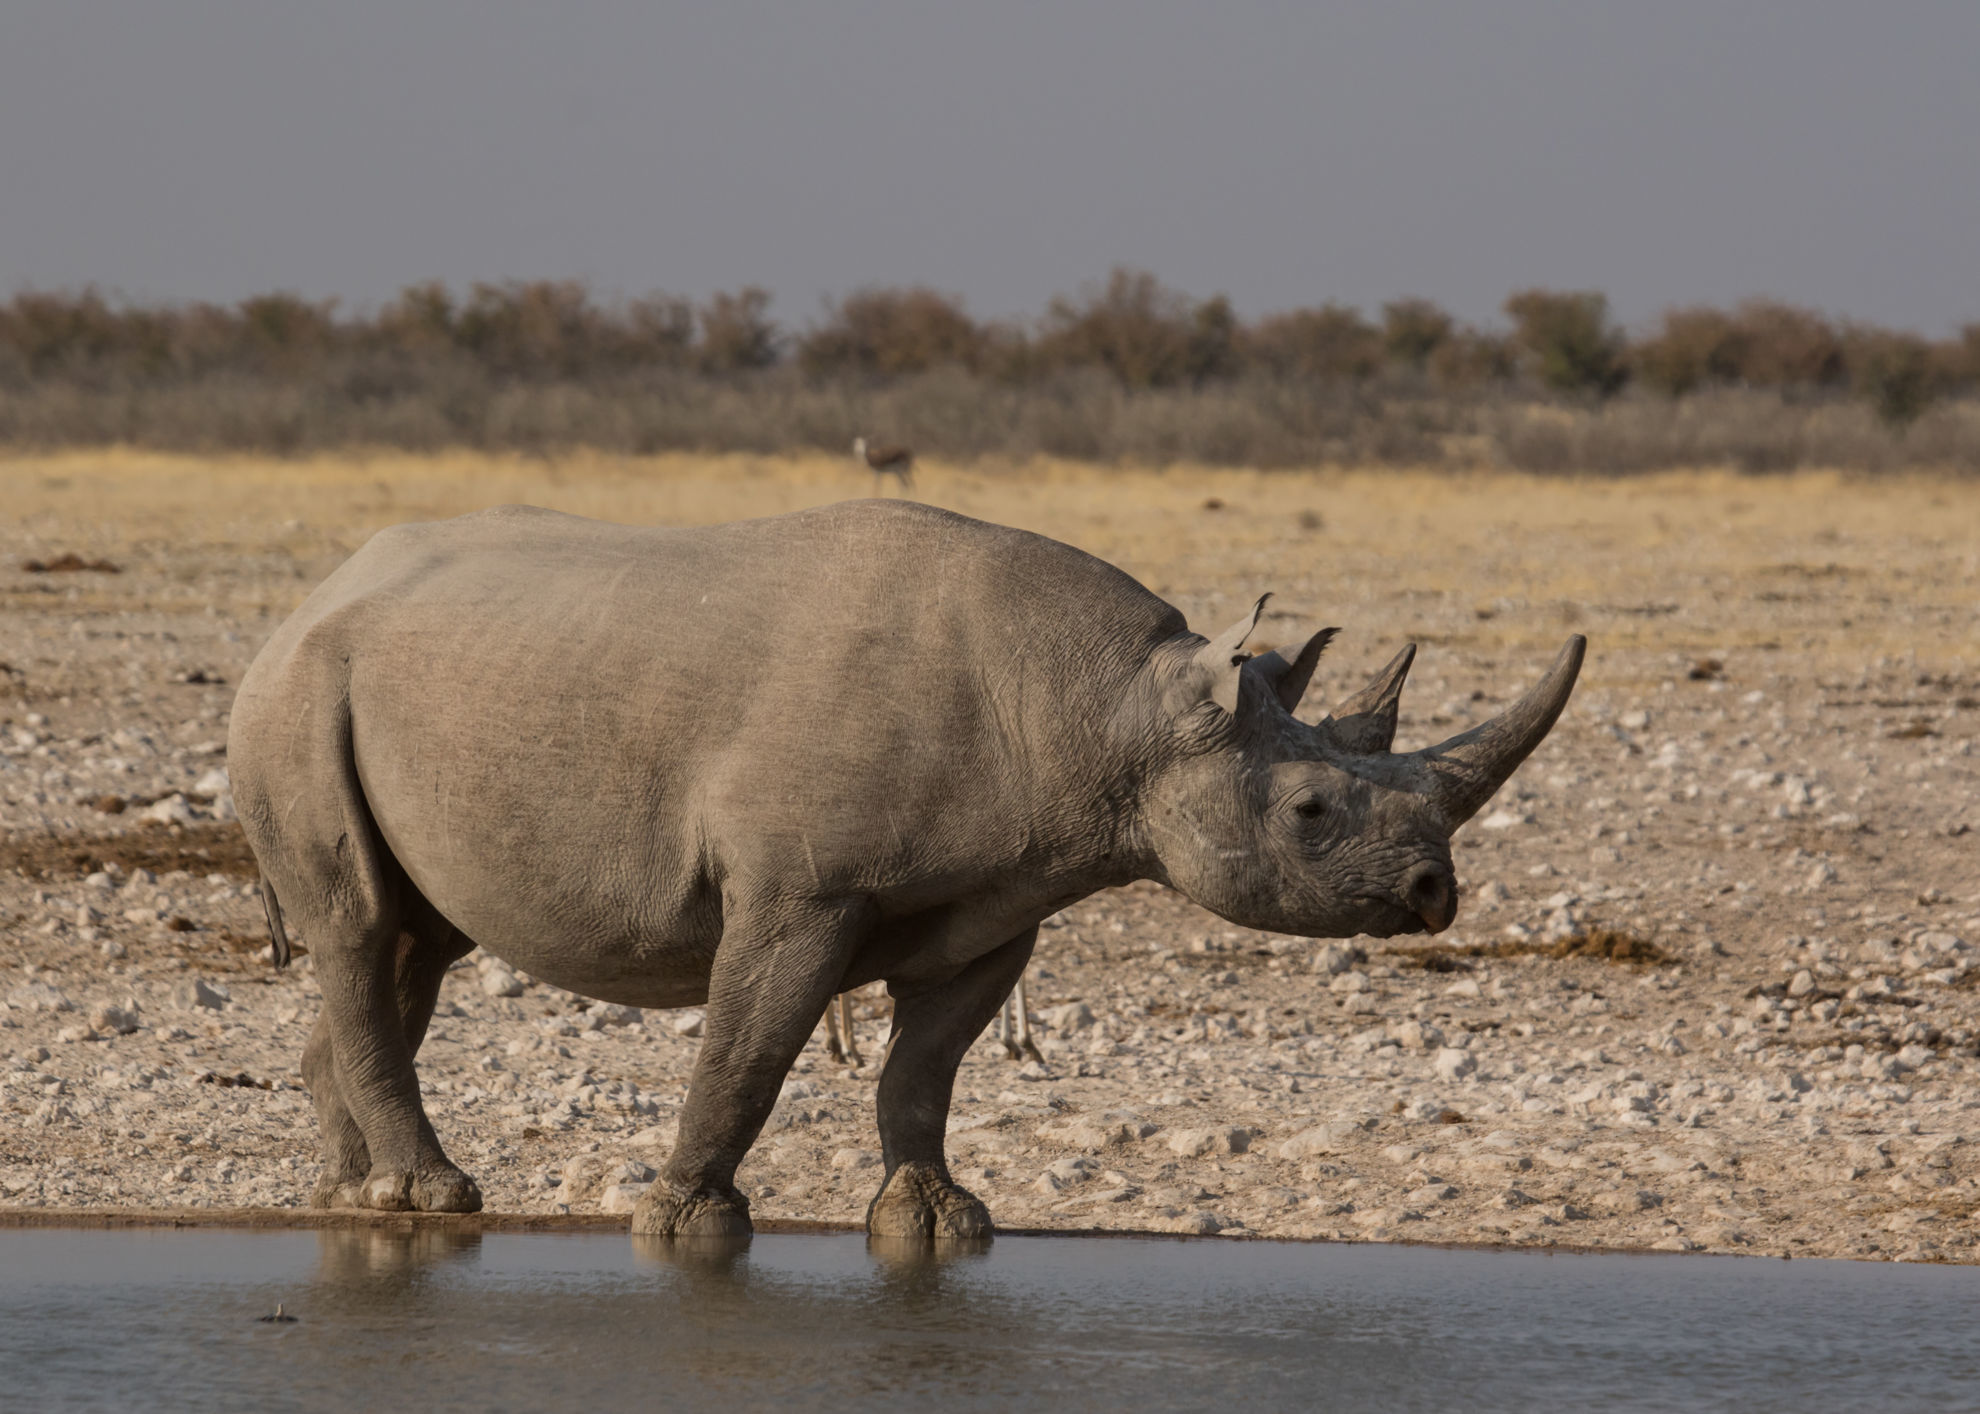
(428, 945)
(346, 1160)
(666, 1211)
(921, 1201)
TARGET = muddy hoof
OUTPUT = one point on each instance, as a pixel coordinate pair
(446, 1190)
(333, 1192)
(663, 1211)
(920, 1202)
(386, 1191)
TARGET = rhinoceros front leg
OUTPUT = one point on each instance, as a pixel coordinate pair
(775, 970)
(933, 1029)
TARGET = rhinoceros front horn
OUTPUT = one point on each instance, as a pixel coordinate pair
(1469, 768)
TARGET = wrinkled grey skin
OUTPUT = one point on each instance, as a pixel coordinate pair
(755, 765)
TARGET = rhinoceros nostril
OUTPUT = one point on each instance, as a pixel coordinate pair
(1431, 894)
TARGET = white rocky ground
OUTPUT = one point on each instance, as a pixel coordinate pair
(1798, 1076)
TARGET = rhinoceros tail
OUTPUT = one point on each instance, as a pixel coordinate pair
(278, 937)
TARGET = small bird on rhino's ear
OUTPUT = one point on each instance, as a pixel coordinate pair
(1220, 662)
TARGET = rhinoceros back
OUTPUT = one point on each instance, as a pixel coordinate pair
(612, 720)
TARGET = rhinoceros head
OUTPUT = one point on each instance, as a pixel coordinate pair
(1320, 830)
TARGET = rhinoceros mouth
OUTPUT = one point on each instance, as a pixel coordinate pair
(1385, 918)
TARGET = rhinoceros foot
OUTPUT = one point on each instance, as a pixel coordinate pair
(921, 1202)
(664, 1211)
(336, 1191)
(440, 1190)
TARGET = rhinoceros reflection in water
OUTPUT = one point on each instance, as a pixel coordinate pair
(755, 765)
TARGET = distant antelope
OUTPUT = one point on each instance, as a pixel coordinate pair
(1013, 1029)
(897, 462)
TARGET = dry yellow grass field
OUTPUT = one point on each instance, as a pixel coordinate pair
(1817, 564)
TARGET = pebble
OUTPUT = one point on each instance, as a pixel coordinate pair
(172, 810)
(500, 982)
(1332, 959)
(119, 1020)
(621, 1197)
(1336, 1136)
(1073, 1016)
(197, 992)
(1415, 1036)
(1193, 1143)
(1453, 1064)
(39, 996)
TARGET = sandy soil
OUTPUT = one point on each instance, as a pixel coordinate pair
(1713, 985)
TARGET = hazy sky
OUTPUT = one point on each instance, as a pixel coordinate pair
(1682, 150)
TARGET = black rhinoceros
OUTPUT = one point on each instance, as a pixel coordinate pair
(753, 765)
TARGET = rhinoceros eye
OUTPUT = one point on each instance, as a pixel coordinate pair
(1311, 808)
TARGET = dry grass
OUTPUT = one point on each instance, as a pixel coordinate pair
(1494, 564)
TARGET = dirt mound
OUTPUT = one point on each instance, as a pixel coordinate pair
(69, 562)
(197, 849)
(1602, 944)
(1610, 945)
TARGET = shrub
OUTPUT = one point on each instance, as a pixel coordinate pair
(1897, 374)
(1470, 357)
(1964, 356)
(531, 329)
(1692, 347)
(419, 321)
(1145, 334)
(1781, 346)
(736, 332)
(654, 331)
(1213, 340)
(1413, 330)
(286, 331)
(1330, 344)
(51, 334)
(891, 332)
(1570, 340)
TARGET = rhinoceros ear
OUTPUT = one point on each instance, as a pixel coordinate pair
(1288, 680)
(1221, 661)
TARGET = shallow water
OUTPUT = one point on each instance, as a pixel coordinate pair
(439, 1321)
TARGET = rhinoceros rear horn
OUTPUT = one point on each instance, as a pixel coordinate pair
(1366, 722)
(1288, 680)
(1469, 768)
